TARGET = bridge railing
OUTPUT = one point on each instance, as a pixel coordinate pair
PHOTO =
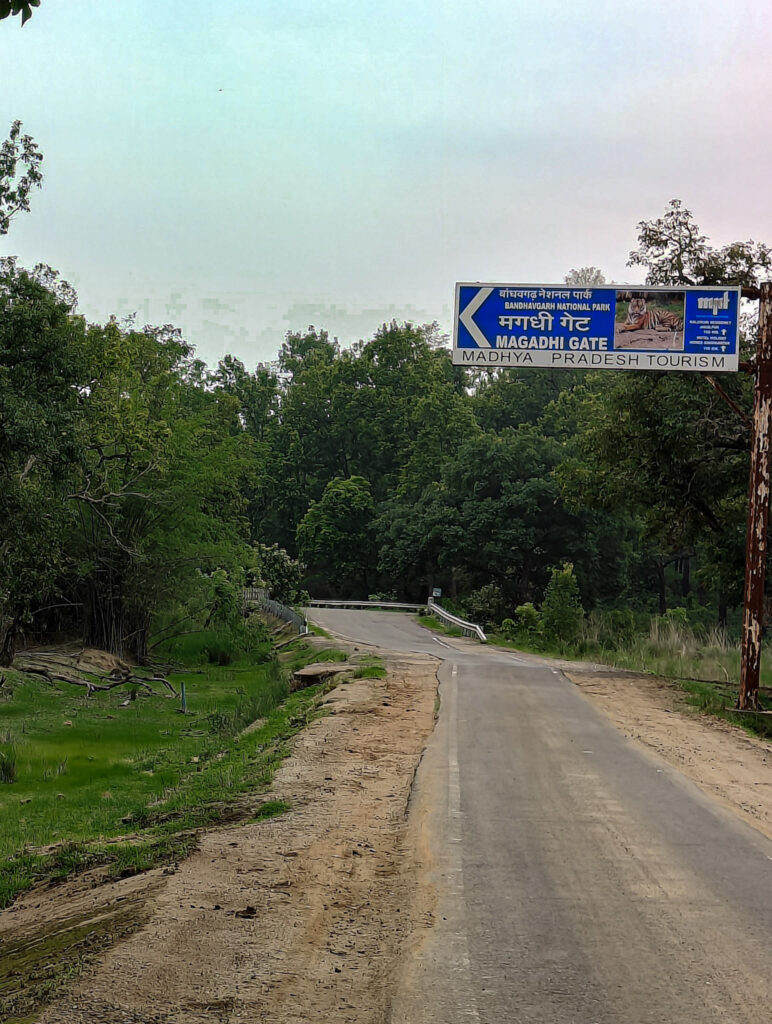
(260, 597)
(400, 606)
(467, 628)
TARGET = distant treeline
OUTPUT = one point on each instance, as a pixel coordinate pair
(140, 489)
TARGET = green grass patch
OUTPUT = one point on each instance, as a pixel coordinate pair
(271, 809)
(329, 654)
(88, 769)
(318, 631)
(369, 659)
(718, 699)
(511, 645)
(369, 672)
(369, 666)
(433, 623)
(250, 642)
(8, 770)
(305, 653)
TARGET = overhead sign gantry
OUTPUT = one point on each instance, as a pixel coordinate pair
(692, 328)
(673, 328)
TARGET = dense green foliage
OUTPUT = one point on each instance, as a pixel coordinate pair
(41, 442)
(562, 611)
(123, 474)
(140, 491)
(672, 448)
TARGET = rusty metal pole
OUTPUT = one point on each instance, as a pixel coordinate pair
(758, 511)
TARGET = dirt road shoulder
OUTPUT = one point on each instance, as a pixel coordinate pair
(727, 763)
(328, 886)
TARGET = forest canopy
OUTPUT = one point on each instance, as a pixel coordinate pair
(136, 483)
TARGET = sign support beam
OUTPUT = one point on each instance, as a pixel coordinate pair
(758, 511)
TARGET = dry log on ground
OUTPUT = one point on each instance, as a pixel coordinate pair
(44, 668)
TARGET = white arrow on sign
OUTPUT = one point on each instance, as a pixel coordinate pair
(467, 317)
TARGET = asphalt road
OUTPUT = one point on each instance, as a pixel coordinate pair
(579, 878)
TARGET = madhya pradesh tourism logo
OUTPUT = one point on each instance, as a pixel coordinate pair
(715, 303)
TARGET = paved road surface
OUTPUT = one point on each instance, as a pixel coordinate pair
(580, 879)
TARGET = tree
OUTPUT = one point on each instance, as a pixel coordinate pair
(496, 516)
(589, 277)
(413, 535)
(281, 575)
(124, 470)
(335, 534)
(42, 371)
(664, 446)
(508, 398)
(160, 494)
(20, 161)
(299, 351)
(390, 410)
(256, 393)
(508, 522)
(673, 447)
(674, 251)
(561, 611)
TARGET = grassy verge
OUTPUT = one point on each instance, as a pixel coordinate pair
(370, 666)
(433, 623)
(89, 769)
(318, 631)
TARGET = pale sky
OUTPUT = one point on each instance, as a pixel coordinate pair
(242, 167)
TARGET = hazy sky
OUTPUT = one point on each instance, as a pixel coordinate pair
(241, 167)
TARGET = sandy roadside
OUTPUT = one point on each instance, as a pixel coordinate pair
(293, 919)
(312, 914)
(730, 765)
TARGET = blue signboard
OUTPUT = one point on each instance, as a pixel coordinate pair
(613, 328)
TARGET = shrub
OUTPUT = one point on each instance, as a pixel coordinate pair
(280, 574)
(253, 638)
(612, 630)
(529, 624)
(7, 764)
(219, 649)
(248, 640)
(509, 629)
(525, 628)
(561, 610)
(487, 605)
(622, 623)
(678, 617)
(225, 598)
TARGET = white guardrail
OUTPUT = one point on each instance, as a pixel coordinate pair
(467, 628)
(401, 606)
(259, 596)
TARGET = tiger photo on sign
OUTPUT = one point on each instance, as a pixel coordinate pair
(649, 320)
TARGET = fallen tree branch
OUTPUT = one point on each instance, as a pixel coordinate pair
(117, 676)
(130, 679)
(165, 682)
